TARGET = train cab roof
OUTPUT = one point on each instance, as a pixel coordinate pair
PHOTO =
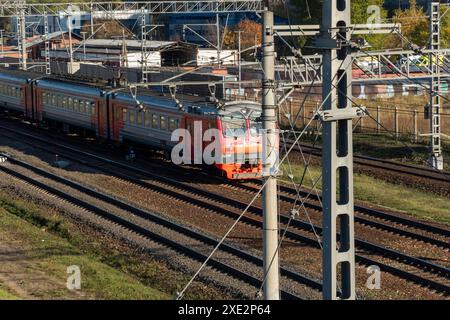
(244, 107)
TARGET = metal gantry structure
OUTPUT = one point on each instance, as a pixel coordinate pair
(104, 9)
(20, 10)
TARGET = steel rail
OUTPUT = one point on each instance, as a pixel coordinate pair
(429, 267)
(401, 167)
(197, 255)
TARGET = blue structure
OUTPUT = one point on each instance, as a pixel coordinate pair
(176, 22)
(403, 4)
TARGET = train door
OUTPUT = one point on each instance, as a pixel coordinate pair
(101, 118)
(27, 100)
(116, 121)
(189, 125)
(37, 102)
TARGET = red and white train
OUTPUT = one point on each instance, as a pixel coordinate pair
(146, 119)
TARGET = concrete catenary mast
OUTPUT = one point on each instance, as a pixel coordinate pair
(270, 156)
(337, 166)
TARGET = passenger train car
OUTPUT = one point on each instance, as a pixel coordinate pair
(145, 119)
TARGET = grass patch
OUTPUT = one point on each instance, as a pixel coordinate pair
(385, 146)
(33, 216)
(49, 255)
(404, 150)
(113, 270)
(6, 295)
(368, 189)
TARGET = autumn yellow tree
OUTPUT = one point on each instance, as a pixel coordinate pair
(414, 23)
(251, 33)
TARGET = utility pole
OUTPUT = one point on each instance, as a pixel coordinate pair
(21, 38)
(83, 33)
(144, 56)
(219, 49)
(337, 163)
(436, 159)
(69, 24)
(270, 158)
(3, 45)
(48, 69)
(239, 59)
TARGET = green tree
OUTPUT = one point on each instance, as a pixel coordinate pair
(445, 27)
(310, 12)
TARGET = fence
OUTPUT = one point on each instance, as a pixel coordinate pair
(406, 122)
(400, 121)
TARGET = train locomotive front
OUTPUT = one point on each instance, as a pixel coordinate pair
(239, 125)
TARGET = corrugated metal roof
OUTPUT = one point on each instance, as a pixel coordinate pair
(131, 44)
(39, 39)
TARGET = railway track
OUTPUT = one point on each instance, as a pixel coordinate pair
(383, 164)
(291, 195)
(128, 224)
(429, 270)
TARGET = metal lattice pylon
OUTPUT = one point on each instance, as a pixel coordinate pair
(144, 54)
(47, 45)
(21, 36)
(436, 158)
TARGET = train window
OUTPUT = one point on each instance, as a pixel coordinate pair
(54, 100)
(173, 124)
(78, 107)
(75, 105)
(93, 108)
(163, 123)
(44, 98)
(146, 118)
(155, 121)
(140, 115)
(17, 92)
(59, 104)
(133, 117)
(124, 115)
(70, 103)
(21, 93)
(64, 102)
(82, 106)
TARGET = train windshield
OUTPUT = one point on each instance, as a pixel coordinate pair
(255, 123)
(234, 125)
